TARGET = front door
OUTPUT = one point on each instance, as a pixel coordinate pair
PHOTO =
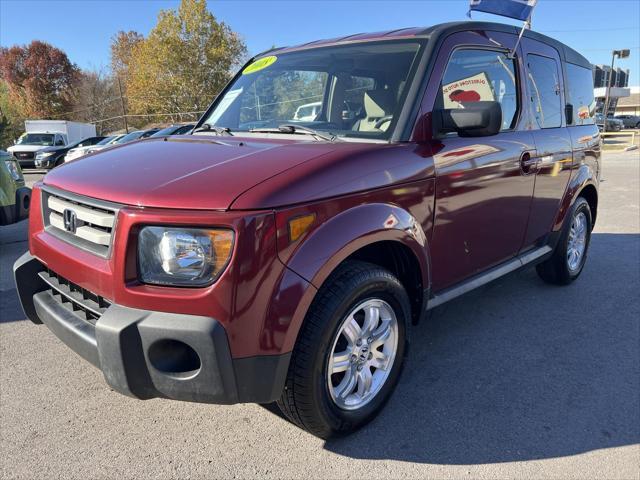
(551, 137)
(483, 187)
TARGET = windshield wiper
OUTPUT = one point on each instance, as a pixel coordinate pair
(293, 129)
(206, 127)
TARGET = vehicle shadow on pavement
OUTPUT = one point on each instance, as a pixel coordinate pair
(13, 243)
(520, 370)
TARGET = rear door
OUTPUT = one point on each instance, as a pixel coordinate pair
(546, 105)
(483, 194)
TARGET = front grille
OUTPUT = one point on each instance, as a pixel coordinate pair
(84, 222)
(25, 155)
(81, 302)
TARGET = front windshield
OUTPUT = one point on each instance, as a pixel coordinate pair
(352, 90)
(107, 140)
(173, 130)
(129, 137)
(43, 139)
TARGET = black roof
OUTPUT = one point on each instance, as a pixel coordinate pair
(442, 30)
(567, 53)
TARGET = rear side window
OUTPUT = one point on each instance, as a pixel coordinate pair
(580, 82)
(544, 88)
(475, 75)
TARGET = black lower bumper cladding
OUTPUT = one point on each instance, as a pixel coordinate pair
(148, 354)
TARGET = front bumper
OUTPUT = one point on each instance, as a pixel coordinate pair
(147, 354)
(25, 161)
(47, 162)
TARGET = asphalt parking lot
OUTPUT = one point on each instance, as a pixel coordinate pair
(516, 380)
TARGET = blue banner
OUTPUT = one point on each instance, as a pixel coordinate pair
(519, 9)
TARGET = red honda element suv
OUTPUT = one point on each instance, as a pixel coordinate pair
(269, 256)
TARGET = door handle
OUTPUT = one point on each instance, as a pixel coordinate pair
(529, 163)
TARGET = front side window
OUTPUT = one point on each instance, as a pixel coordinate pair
(583, 104)
(475, 75)
(544, 89)
(353, 90)
(87, 142)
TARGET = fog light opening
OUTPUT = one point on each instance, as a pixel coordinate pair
(174, 358)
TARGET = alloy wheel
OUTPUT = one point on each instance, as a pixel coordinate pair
(363, 354)
(577, 241)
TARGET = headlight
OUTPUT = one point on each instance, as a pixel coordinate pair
(44, 155)
(13, 169)
(185, 257)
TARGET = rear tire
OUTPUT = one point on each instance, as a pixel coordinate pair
(347, 361)
(570, 255)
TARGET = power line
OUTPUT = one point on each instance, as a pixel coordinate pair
(95, 105)
(147, 115)
(607, 49)
(589, 30)
(110, 100)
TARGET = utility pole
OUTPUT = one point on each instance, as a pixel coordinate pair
(124, 109)
(614, 54)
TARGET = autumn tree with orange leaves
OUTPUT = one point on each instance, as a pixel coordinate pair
(40, 79)
(37, 81)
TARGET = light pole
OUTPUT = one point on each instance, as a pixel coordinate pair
(614, 54)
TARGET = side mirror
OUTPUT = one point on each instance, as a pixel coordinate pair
(476, 119)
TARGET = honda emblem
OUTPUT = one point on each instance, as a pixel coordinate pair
(69, 217)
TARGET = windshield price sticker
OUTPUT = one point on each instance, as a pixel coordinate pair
(260, 64)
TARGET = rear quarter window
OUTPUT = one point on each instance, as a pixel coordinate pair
(544, 88)
(580, 82)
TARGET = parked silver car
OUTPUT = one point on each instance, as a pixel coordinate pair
(82, 151)
(613, 124)
(629, 121)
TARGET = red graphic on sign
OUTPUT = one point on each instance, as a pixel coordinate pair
(460, 96)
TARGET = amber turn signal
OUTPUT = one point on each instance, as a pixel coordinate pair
(222, 241)
(300, 225)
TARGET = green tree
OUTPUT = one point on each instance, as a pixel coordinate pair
(184, 62)
(11, 121)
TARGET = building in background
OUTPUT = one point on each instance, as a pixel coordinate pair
(630, 105)
(601, 76)
(619, 83)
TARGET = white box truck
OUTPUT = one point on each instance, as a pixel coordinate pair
(41, 134)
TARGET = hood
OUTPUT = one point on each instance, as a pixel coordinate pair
(182, 172)
(59, 148)
(26, 148)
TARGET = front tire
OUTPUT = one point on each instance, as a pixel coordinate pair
(349, 352)
(570, 255)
